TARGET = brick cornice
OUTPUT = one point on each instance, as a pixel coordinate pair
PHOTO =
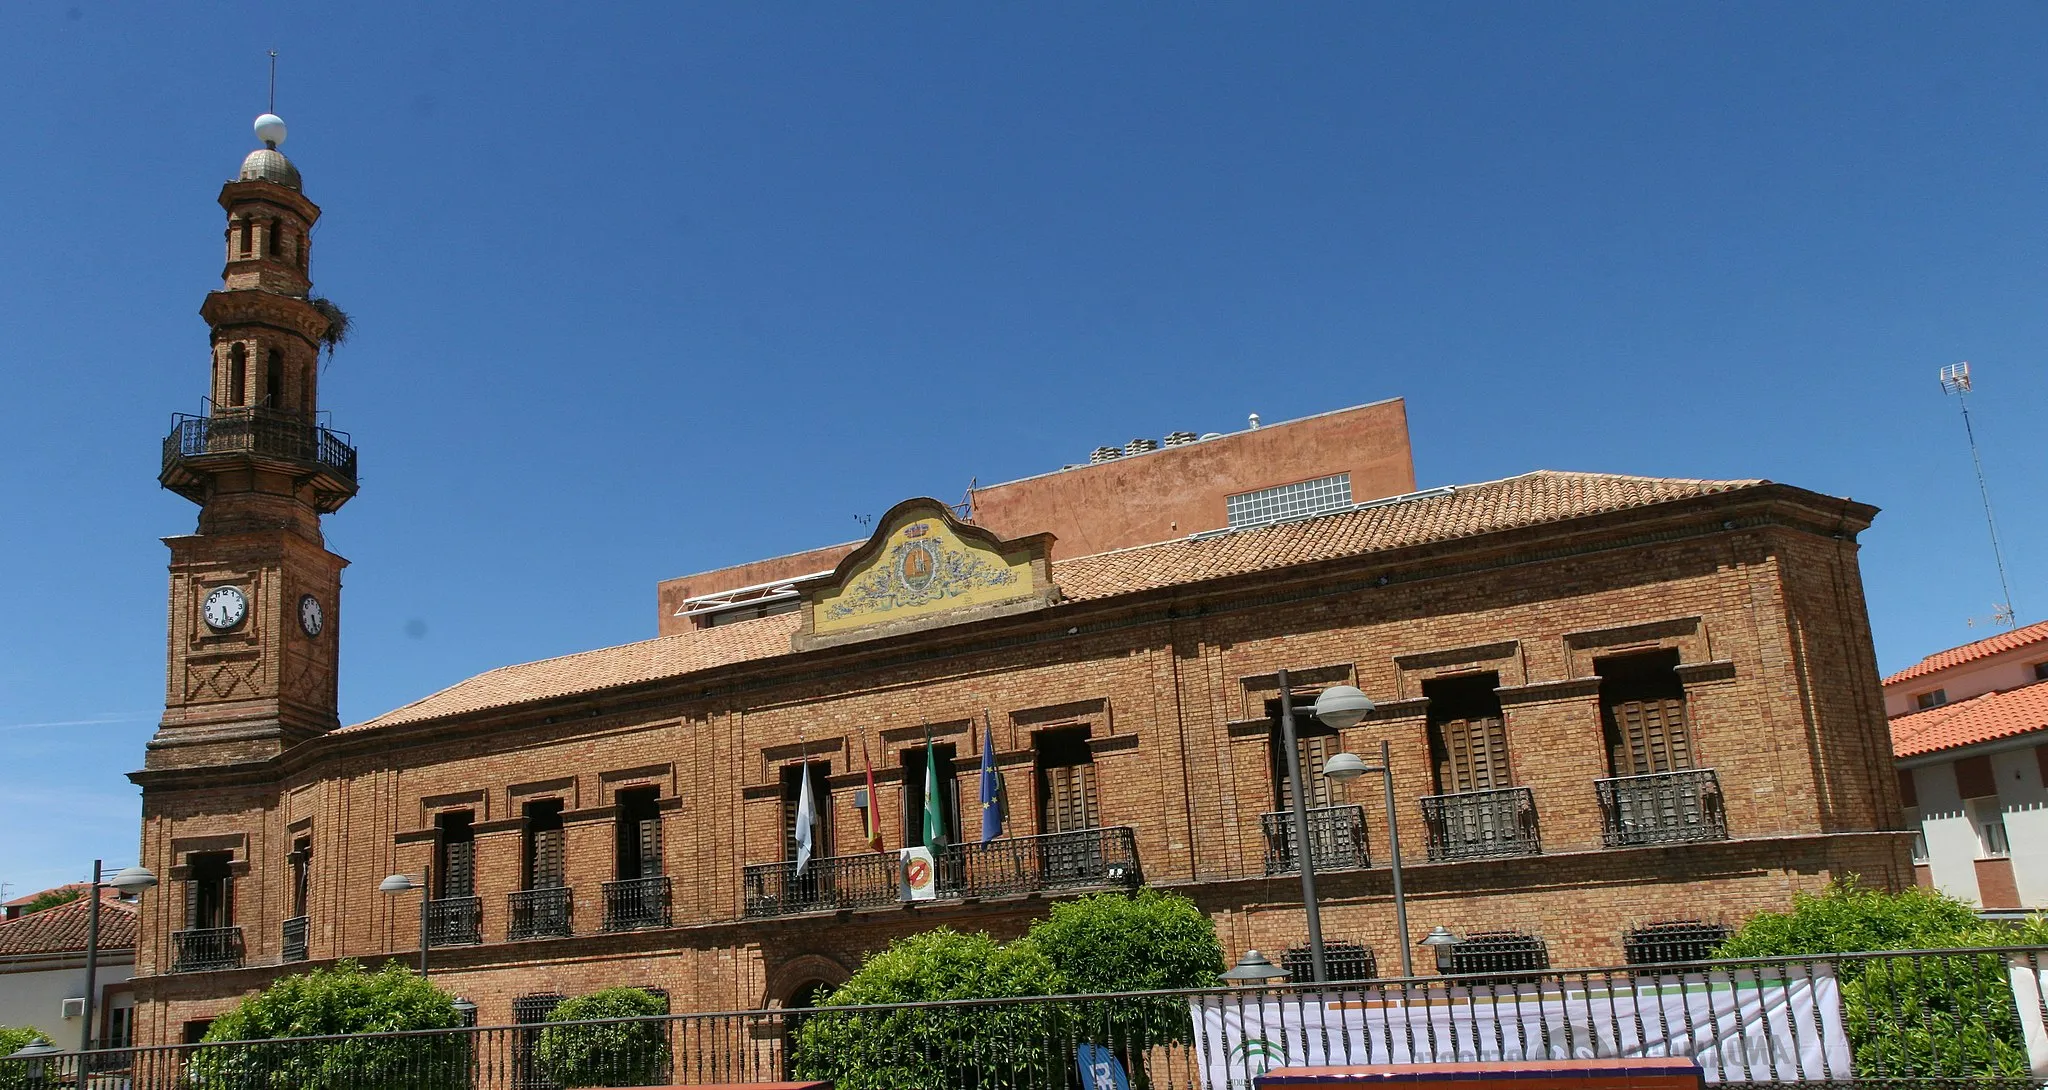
(1702, 673)
(1537, 692)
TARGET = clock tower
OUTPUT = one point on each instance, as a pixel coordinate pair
(255, 595)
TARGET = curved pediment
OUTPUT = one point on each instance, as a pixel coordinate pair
(922, 568)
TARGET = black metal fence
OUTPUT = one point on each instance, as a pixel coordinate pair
(634, 903)
(539, 913)
(1481, 824)
(1080, 858)
(1894, 1020)
(203, 948)
(1661, 808)
(455, 921)
(1335, 833)
(258, 431)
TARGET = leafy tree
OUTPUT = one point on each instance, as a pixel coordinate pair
(14, 1076)
(344, 1000)
(1950, 1016)
(612, 1054)
(963, 1047)
(51, 898)
(1111, 942)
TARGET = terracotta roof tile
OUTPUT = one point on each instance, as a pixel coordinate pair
(1983, 718)
(1465, 511)
(1971, 652)
(55, 930)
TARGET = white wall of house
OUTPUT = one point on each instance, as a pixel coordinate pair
(1953, 842)
(2025, 801)
(33, 989)
(1950, 835)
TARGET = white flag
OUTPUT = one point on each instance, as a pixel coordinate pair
(805, 819)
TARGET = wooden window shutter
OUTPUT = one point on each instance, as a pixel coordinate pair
(1652, 736)
(1974, 779)
(650, 847)
(458, 869)
(192, 904)
(1071, 801)
(1315, 749)
(227, 899)
(547, 859)
(1475, 755)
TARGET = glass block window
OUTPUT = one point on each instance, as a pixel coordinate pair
(1288, 500)
(1672, 941)
(1344, 960)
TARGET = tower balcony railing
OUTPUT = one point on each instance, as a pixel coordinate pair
(455, 921)
(264, 433)
(1335, 833)
(203, 948)
(296, 931)
(1481, 824)
(539, 913)
(634, 903)
(1007, 866)
(1661, 808)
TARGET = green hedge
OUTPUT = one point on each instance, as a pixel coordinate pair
(618, 1054)
(346, 999)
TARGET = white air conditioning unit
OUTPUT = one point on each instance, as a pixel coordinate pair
(74, 1008)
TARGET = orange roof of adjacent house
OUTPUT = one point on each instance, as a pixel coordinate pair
(1971, 652)
(1431, 516)
(1985, 718)
(61, 929)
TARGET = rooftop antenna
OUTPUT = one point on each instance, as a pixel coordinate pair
(273, 83)
(1955, 379)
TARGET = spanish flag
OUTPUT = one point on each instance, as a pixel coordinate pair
(870, 817)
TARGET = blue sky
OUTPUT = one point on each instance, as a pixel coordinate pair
(647, 291)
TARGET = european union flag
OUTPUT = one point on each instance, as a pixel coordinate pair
(991, 790)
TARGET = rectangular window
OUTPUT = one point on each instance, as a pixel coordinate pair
(1974, 779)
(210, 891)
(302, 874)
(1909, 788)
(2041, 671)
(1989, 818)
(120, 1027)
(1289, 500)
(1642, 711)
(913, 794)
(638, 834)
(455, 854)
(546, 865)
(1067, 799)
(1468, 737)
(1315, 743)
(1932, 699)
(821, 808)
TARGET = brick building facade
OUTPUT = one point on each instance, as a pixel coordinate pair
(1612, 701)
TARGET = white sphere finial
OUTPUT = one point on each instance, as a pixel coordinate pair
(270, 130)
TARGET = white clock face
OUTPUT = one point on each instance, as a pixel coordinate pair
(224, 608)
(310, 617)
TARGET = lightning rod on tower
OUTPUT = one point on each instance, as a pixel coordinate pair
(1955, 379)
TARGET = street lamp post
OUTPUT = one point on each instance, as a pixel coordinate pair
(127, 880)
(403, 883)
(1343, 707)
(1304, 847)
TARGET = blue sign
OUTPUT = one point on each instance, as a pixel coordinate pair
(1100, 1069)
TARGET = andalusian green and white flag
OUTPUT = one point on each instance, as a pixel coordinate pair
(934, 807)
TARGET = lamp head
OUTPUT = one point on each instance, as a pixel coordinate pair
(397, 883)
(1253, 968)
(134, 879)
(1439, 936)
(34, 1050)
(1342, 706)
(1344, 766)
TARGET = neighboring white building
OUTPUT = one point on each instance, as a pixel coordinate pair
(1970, 736)
(42, 972)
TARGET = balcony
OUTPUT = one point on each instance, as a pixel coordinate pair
(1335, 833)
(195, 443)
(631, 904)
(539, 913)
(295, 931)
(455, 921)
(1661, 808)
(1080, 859)
(204, 948)
(1481, 824)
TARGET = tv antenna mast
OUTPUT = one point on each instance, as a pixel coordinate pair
(1955, 379)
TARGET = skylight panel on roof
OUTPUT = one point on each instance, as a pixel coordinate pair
(1300, 499)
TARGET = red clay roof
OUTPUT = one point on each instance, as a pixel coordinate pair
(1971, 652)
(1983, 718)
(60, 929)
(1466, 511)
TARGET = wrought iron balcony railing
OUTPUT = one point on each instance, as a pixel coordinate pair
(1026, 864)
(204, 948)
(539, 913)
(261, 432)
(455, 921)
(1661, 808)
(633, 903)
(1335, 833)
(1481, 824)
(295, 932)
